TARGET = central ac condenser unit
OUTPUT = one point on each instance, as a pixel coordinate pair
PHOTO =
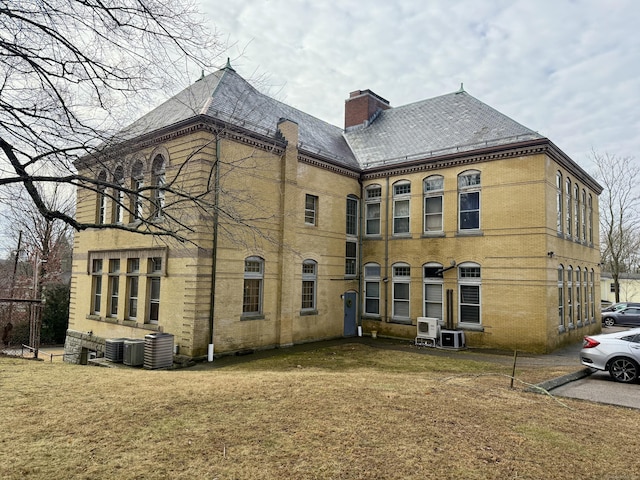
(133, 353)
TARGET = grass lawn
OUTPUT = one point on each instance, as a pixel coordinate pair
(346, 412)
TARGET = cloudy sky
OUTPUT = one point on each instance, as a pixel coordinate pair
(568, 69)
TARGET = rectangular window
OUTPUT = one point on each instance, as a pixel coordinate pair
(352, 216)
(309, 285)
(252, 292)
(311, 209)
(351, 259)
(469, 294)
(114, 286)
(470, 211)
(401, 292)
(401, 208)
(372, 289)
(155, 270)
(433, 214)
(561, 296)
(133, 282)
(96, 288)
(372, 211)
(433, 300)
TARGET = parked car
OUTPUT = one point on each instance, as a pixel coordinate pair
(617, 306)
(624, 316)
(617, 353)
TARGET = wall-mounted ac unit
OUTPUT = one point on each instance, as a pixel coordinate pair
(427, 328)
(452, 339)
(133, 353)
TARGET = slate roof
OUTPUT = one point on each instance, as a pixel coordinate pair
(451, 123)
(227, 97)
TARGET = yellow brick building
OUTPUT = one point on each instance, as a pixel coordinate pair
(444, 209)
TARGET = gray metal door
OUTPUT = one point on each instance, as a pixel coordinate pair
(350, 310)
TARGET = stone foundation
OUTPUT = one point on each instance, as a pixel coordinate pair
(78, 347)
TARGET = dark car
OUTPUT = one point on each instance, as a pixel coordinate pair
(620, 305)
(624, 316)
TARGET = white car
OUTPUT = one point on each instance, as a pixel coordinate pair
(618, 353)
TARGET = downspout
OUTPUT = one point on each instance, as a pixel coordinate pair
(385, 280)
(214, 251)
(360, 303)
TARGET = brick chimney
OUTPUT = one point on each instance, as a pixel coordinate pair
(360, 107)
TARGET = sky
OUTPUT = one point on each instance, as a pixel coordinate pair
(568, 69)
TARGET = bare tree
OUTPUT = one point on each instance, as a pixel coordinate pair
(71, 75)
(619, 202)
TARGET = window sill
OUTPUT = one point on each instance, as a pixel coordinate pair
(371, 317)
(304, 313)
(471, 327)
(469, 233)
(251, 316)
(126, 323)
(434, 235)
(401, 235)
(401, 321)
(373, 237)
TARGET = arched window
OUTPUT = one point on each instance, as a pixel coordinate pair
(583, 215)
(159, 181)
(253, 284)
(373, 196)
(469, 200)
(137, 182)
(590, 206)
(567, 213)
(118, 195)
(432, 295)
(101, 201)
(576, 211)
(309, 284)
(372, 289)
(433, 188)
(469, 283)
(401, 292)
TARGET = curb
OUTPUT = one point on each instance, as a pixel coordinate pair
(548, 385)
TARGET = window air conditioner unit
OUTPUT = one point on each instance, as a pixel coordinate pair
(427, 328)
(452, 339)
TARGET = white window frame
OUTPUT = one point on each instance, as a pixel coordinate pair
(559, 203)
(310, 209)
(568, 209)
(578, 301)
(570, 313)
(137, 183)
(576, 212)
(351, 258)
(469, 275)
(101, 217)
(352, 222)
(561, 295)
(469, 183)
(96, 286)
(133, 287)
(254, 275)
(401, 277)
(159, 181)
(155, 270)
(402, 196)
(433, 189)
(309, 280)
(433, 283)
(118, 195)
(372, 277)
(373, 210)
(114, 286)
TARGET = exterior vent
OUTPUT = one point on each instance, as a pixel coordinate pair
(113, 349)
(427, 333)
(158, 350)
(452, 339)
(133, 353)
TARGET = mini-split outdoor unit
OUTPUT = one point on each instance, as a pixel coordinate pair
(452, 339)
(427, 328)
